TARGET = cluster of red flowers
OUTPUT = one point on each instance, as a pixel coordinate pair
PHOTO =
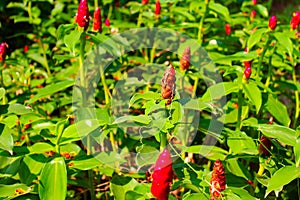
(168, 84)
(218, 181)
(295, 20)
(3, 51)
(247, 72)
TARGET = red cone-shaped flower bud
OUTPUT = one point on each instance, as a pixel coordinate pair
(168, 84)
(218, 181)
(185, 59)
(157, 7)
(252, 14)
(144, 2)
(265, 145)
(107, 22)
(162, 176)
(25, 48)
(97, 23)
(295, 20)
(273, 22)
(83, 16)
(3, 51)
(117, 3)
(227, 29)
(247, 63)
(247, 72)
(254, 2)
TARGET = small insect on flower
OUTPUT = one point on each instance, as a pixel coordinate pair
(227, 29)
(185, 59)
(218, 181)
(273, 22)
(83, 16)
(168, 84)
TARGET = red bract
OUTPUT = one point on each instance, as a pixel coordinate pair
(227, 29)
(162, 176)
(168, 84)
(83, 16)
(254, 2)
(117, 3)
(185, 59)
(144, 2)
(273, 22)
(107, 22)
(157, 7)
(253, 14)
(3, 51)
(97, 23)
(247, 72)
(218, 181)
(265, 145)
(26, 48)
(295, 20)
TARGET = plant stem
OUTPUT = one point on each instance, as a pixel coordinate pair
(262, 56)
(240, 107)
(200, 35)
(269, 71)
(163, 140)
(96, 3)
(195, 87)
(44, 55)
(296, 100)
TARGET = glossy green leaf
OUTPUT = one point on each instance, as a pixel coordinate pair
(128, 120)
(278, 110)
(281, 133)
(41, 148)
(242, 193)
(219, 90)
(235, 167)
(220, 9)
(195, 196)
(239, 56)
(297, 152)
(85, 164)
(31, 167)
(210, 152)
(71, 39)
(6, 139)
(255, 37)
(120, 185)
(16, 108)
(134, 195)
(2, 93)
(262, 10)
(145, 96)
(282, 177)
(53, 180)
(146, 155)
(11, 191)
(254, 94)
(240, 143)
(285, 42)
(51, 89)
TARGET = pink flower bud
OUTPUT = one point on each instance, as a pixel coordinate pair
(227, 29)
(83, 16)
(157, 7)
(247, 72)
(97, 23)
(252, 14)
(3, 51)
(26, 48)
(273, 22)
(254, 2)
(295, 20)
(107, 22)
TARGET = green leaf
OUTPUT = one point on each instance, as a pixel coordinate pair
(281, 133)
(210, 152)
(145, 96)
(220, 9)
(235, 167)
(9, 191)
(297, 152)
(41, 148)
(30, 168)
(254, 94)
(71, 39)
(6, 139)
(85, 164)
(2, 93)
(242, 193)
(134, 195)
(239, 56)
(285, 42)
(240, 143)
(219, 90)
(146, 155)
(16, 108)
(255, 37)
(278, 110)
(195, 196)
(51, 89)
(120, 185)
(53, 180)
(262, 10)
(282, 177)
(129, 120)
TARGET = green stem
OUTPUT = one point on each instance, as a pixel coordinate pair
(29, 12)
(140, 18)
(96, 3)
(44, 55)
(107, 94)
(82, 69)
(296, 100)
(1, 75)
(200, 35)
(163, 140)
(195, 87)
(262, 56)
(269, 71)
(240, 106)
(91, 184)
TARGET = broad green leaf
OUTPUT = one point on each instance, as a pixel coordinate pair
(220, 9)
(194, 104)
(134, 195)
(71, 39)
(285, 41)
(41, 148)
(219, 90)
(6, 139)
(12, 191)
(141, 119)
(9, 166)
(255, 37)
(2, 93)
(51, 89)
(31, 167)
(85, 164)
(53, 180)
(146, 96)
(210, 152)
(235, 167)
(253, 93)
(281, 133)
(195, 196)
(146, 155)
(240, 143)
(239, 56)
(120, 185)
(282, 177)
(278, 110)
(242, 193)
(262, 10)
(297, 152)
(16, 108)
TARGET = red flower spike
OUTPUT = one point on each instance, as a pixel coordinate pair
(83, 16)
(107, 22)
(162, 176)
(117, 3)
(3, 51)
(97, 23)
(273, 22)
(247, 63)
(295, 20)
(227, 29)
(254, 2)
(168, 84)
(218, 181)
(144, 2)
(185, 59)
(252, 14)
(248, 71)
(157, 8)
(265, 145)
